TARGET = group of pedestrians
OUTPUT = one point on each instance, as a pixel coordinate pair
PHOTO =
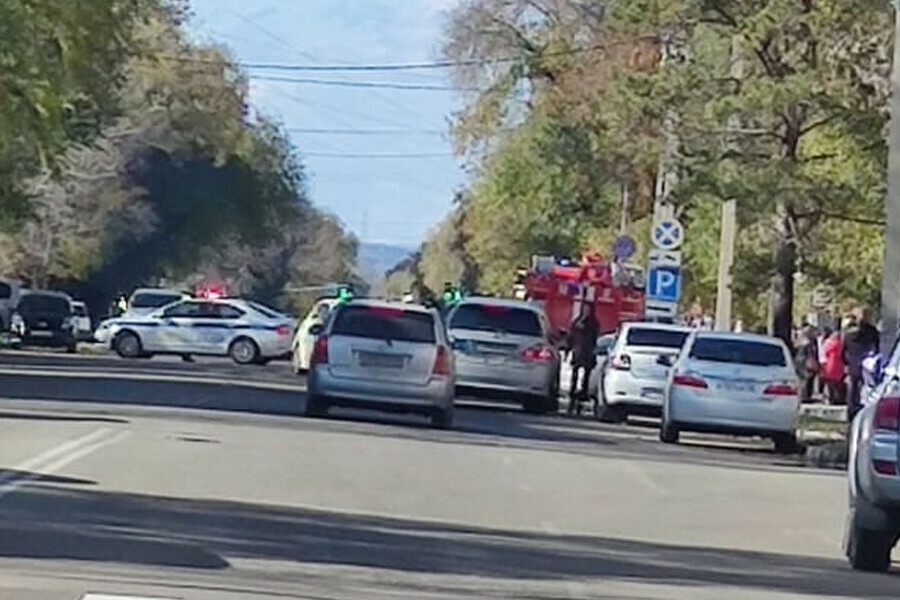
(832, 360)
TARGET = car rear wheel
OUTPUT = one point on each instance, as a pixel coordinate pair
(669, 433)
(316, 406)
(785, 443)
(244, 351)
(869, 550)
(606, 413)
(127, 345)
(442, 418)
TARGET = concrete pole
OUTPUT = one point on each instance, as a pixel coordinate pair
(890, 279)
(626, 200)
(726, 262)
(729, 216)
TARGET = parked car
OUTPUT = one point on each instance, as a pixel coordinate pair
(10, 290)
(144, 301)
(733, 383)
(386, 356)
(633, 381)
(873, 474)
(215, 327)
(503, 351)
(44, 318)
(304, 340)
(81, 321)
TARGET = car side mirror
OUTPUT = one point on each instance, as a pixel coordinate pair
(665, 360)
(317, 329)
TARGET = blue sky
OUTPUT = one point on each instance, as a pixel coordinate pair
(393, 200)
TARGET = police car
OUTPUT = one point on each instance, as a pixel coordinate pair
(248, 332)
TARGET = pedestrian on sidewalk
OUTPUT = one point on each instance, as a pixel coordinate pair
(807, 362)
(861, 339)
(834, 370)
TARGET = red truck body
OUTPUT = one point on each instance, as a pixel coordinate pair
(564, 287)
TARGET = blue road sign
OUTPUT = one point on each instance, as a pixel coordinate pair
(623, 248)
(667, 234)
(663, 283)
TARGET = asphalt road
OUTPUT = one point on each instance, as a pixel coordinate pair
(171, 480)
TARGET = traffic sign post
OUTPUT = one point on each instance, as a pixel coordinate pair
(667, 234)
(663, 283)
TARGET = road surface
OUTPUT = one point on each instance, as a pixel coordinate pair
(172, 480)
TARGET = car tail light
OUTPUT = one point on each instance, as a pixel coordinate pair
(441, 366)
(539, 353)
(689, 381)
(283, 330)
(620, 362)
(884, 467)
(887, 413)
(780, 389)
(320, 351)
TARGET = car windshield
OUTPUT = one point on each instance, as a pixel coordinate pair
(496, 317)
(153, 299)
(658, 338)
(744, 352)
(385, 323)
(47, 304)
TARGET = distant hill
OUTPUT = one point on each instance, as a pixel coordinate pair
(373, 259)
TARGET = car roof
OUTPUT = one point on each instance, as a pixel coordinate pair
(79, 303)
(740, 337)
(655, 325)
(502, 302)
(157, 291)
(46, 293)
(375, 303)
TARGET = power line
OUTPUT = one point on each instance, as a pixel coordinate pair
(362, 84)
(377, 155)
(442, 64)
(314, 130)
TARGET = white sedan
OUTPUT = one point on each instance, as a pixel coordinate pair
(247, 332)
(734, 383)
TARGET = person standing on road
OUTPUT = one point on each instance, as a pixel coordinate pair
(807, 362)
(834, 370)
(583, 345)
(861, 339)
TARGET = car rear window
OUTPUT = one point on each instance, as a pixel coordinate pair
(385, 323)
(661, 338)
(153, 299)
(79, 311)
(5, 291)
(492, 317)
(265, 310)
(744, 352)
(44, 304)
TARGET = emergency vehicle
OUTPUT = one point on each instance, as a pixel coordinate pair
(562, 286)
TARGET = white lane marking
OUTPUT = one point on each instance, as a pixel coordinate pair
(52, 453)
(211, 379)
(48, 463)
(91, 596)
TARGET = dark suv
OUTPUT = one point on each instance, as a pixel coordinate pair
(44, 319)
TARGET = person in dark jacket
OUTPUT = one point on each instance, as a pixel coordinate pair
(583, 345)
(861, 338)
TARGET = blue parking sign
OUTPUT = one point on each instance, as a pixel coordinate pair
(664, 283)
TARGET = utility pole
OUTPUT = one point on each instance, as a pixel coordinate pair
(890, 277)
(626, 201)
(729, 214)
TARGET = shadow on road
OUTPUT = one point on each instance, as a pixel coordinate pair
(7, 475)
(52, 522)
(29, 416)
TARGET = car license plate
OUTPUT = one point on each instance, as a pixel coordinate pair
(41, 334)
(651, 392)
(736, 386)
(381, 361)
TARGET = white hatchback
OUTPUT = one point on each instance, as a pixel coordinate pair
(733, 383)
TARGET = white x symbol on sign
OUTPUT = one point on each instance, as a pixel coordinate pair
(667, 234)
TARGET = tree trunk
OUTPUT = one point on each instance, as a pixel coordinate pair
(781, 316)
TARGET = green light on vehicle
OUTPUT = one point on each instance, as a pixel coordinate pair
(344, 293)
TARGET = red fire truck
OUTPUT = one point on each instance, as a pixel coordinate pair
(563, 286)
